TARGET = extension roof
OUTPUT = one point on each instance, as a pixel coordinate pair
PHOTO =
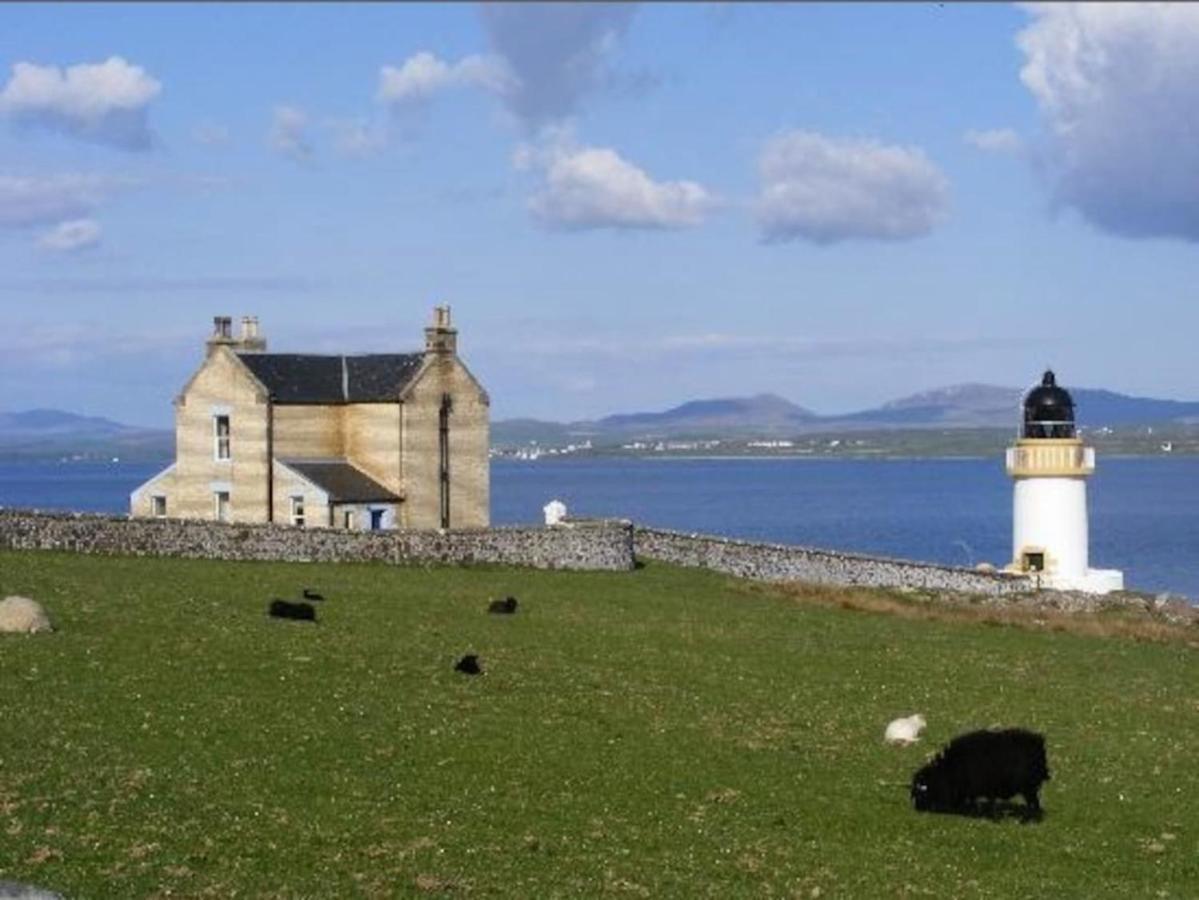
(309, 378)
(341, 481)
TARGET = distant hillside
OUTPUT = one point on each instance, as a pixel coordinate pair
(761, 414)
(54, 434)
(963, 406)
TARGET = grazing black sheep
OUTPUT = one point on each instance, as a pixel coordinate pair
(310, 594)
(469, 665)
(987, 765)
(507, 606)
(285, 609)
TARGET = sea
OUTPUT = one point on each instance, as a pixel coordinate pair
(1144, 512)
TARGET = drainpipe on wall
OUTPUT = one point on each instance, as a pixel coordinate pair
(443, 434)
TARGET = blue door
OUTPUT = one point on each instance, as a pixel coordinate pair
(376, 519)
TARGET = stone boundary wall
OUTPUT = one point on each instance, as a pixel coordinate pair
(782, 562)
(591, 545)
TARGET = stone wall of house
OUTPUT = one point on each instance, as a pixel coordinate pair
(780, 562)
(593, 545)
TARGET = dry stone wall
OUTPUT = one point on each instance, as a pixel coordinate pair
(593, 545)
(781, 562)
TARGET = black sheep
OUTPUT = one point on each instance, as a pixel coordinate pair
(507, 606)
(469, 665)
(988, 765)
(285, 609)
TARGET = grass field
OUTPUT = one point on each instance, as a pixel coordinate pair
(658, 733)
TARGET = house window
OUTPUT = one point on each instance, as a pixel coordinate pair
(220, 501)
(297, 511)
(348, 519)
(1034, 562)
(159, 506)
(220, 429)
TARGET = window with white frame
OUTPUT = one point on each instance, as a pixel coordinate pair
(297, 510)
(159, 506)
(220, 432)
(348, 519)
(220, 501)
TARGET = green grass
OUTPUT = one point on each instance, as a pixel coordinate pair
(658, 733)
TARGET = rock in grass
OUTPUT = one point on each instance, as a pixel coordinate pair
(20, 615)
(14, 890)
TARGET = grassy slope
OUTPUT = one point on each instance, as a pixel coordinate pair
(662, 732)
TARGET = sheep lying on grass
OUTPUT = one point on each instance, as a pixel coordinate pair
(507, 606)
(20, 615)
(905, 731)
(285, 609)
(983, 765)
(469, 665)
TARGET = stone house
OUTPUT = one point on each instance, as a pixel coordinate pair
(389, 440)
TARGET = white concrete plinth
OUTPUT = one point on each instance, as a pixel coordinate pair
(1093, 581)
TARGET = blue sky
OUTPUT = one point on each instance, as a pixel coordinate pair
(626, 206)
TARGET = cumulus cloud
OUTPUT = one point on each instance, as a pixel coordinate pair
(825, 190)
(594, 187)
(44, 200)
(1117, 86)
(289, 133)
(423, 76)
(995, 140)
(72, 236)
(104, 102)
(556, 53)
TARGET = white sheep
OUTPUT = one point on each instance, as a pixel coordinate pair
(905, 731)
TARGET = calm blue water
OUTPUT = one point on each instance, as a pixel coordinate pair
(1144, 512)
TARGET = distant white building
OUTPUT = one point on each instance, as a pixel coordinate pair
(555, 512)
(1050, 467)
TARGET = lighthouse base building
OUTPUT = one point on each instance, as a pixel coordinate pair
(1050, 466)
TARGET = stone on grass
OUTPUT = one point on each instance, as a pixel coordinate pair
(14, 890)
(20, 615)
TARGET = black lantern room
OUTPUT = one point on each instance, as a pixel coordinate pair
(1048, 410)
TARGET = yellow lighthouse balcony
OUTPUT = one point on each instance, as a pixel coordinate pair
(1049, 457)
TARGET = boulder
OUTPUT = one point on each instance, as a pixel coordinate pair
(20, 615)
(15, 890)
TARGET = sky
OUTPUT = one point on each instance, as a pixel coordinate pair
(626, 206)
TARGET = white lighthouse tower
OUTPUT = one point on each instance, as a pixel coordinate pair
(1050, 467)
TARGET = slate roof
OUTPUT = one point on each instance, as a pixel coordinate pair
(310, 378)
(341, 481)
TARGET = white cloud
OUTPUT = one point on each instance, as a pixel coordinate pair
(289, 133)
(826, 189)
(357, 137)
(211, 134)
(424, 75)
(995, 140)
(594, 187)
(1118, 89)
(72, 236)
(557, 53)
(102, 102)
(44, 200)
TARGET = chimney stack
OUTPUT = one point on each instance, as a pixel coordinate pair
(222, 335)
(250, 341)
(440, 337)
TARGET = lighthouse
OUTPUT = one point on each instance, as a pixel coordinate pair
(1050, 467)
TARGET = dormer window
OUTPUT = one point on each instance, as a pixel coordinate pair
(220, 430)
